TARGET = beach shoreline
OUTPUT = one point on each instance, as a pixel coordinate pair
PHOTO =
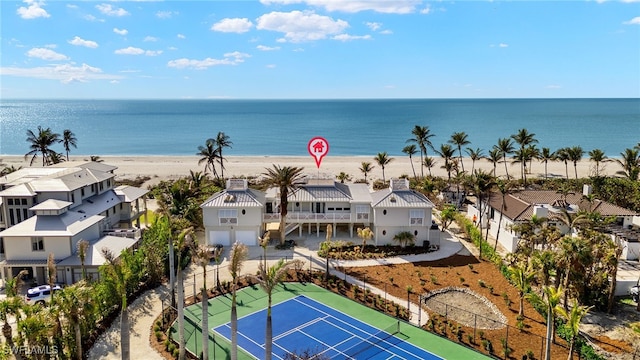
(159, 167)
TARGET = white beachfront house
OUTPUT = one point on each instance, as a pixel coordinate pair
(48, 210)
(520, 206)
(242, 214)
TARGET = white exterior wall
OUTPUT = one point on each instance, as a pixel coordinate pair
(43, 196)
(397, 220)
(507, 239)
(19, 248)
(250, 221)
(77, 198)
(630, 250)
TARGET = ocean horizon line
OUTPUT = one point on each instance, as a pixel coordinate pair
(321, 99)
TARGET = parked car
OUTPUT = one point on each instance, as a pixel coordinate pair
(634, 292)
(40, 294)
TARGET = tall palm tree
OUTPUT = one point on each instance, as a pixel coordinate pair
(41, 143)
(68, 140)
(422, 137)
(550, 302)
(268, 278)
(521, 277)
(383, 159)
(76, 303)
(238, 255)
(630, 162)
(447, 152)
(460, 139)
(287, 179)
(575, 154)
(222, 141)
(83, 245)
(562, 154)
(574, 317)
(524, 138)
(366, 168)
(183, 242)
(201, 258)
(598, 157)
(494, 157)
(503, 186)
(483, 182)
(545, 156)
(506, 147)
(209, 154)
(343, 176)
(411, 150)
(429, 162)
(9, 306)
(475, 155)
(120, 275)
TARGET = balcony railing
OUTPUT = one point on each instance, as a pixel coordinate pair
(301, 217)
(133, 233)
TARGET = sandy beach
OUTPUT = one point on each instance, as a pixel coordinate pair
(173, 167)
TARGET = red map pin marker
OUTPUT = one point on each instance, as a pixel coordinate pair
(318, 147)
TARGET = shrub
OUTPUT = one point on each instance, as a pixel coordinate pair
(529, 355)
(482, 284)
(486, 344)
(470, 338)
(434, 280)
(461, 280)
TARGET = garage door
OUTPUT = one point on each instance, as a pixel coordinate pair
(219, 237)
(247, 237)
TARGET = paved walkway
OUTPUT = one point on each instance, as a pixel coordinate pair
(148, 306)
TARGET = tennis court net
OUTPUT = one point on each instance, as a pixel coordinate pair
(373, 340)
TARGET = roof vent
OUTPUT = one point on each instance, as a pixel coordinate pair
(230, 198)
(392, 199)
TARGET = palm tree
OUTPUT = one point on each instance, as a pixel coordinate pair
(574, 317)
(503, 186)
(562, 154)
(9, 169)
(404, 238)
(524, 138)
(411, 150)
(182, 242)
(201, 258)
(447, 153)
(55, 158)
(365, 234)
(343, 176)
(222, 141)
(9, 306)
(69, 140)
(630, 162)
(422, 136)
(366, 168)
(268, 279)
(287, 179)
(429, 162)
(41, 143)
(495, 155)
(474, 155)
(506, 147)
(575, 154)
(120, 276)
(238, 255)
(521, 277)
(95, 158)
(83, 245)
(598, 156)
(383, 159)
(551, 301)
(546, 155)
(76, 303)
(209, 155)
(483, 182)
(460, 139)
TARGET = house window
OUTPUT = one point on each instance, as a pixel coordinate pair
(101, 186)
(9, 201)
(37, 243)
(362, 212)
(82, 192)
(228, 216)
(416, 217)
(12, 221)
(25, 214)
(23, 201)
(73, 198)
(384, 212)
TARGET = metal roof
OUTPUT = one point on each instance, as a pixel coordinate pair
(68, 224)
(94, 256)
(399, 199)
(235, 199)
(129, 193)
(51, 204)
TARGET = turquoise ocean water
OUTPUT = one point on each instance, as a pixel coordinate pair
(283, 127)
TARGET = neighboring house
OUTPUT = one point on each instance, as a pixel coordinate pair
(48, 210)
(242, 214)
(520, 206)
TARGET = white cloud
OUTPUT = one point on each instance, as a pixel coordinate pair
(120, 31)
(374, 26)
(386, 32)
(235, 25)
(46, 54)
(166, 14)
(137, 51)
(426, 10)
(553, 86)
(233, 58)
(271, 66)
(77, 41)
(347, 37)
(634, 21)
(501, 45)
(180, 36)
(301, 26)
(267, 48)
(51, 46)
(172, 48)
(66, 73)
(33, 11)
(71, 6)
(150, 38)
(352, 6)
(109, 10)
(114, 82)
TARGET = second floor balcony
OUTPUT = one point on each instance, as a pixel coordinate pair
(306, 217)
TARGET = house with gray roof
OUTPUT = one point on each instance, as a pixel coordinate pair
(242, 214)
(48, 210)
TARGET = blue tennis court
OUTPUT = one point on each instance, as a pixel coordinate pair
(302, 324)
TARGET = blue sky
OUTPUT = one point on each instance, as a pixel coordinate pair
(319, 49)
